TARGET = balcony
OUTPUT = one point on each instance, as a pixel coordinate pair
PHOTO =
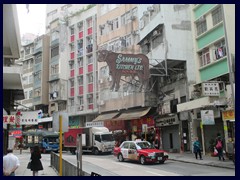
(72, 91)
(89, 31)
(72, 38)
(72, 73)
(72, 55)
(80, 91)
(80, 71)
(80, 35)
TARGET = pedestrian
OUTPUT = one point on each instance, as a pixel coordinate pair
(197, 148)
(219, 146)
(156, 142)
(10, 163)
(36, 164)
(20, 146)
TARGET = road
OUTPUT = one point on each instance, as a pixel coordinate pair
(108, 165)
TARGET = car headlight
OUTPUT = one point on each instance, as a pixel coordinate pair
(151, 154)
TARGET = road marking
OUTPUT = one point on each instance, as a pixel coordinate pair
(155, 173)
(164, 173)
(123, 164)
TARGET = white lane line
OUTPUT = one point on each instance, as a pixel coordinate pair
(155, 173)
(123, 164)
(165, 173)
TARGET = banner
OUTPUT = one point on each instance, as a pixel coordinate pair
(207, 117)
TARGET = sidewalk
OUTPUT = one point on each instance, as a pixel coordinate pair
(207, 160)
(24, 159)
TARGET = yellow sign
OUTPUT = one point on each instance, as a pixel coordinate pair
(228, 115)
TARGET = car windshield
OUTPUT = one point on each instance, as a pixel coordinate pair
(107, 137)
(144, 145)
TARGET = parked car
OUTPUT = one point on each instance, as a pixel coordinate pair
(141, 151)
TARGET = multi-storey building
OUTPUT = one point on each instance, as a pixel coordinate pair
(12, 82)
(213, 27)
(166, 38)
(127, 108)
(27, 60)
(40, 93)
(73, 68)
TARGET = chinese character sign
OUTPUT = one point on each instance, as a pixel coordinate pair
(228, 115)
(9, 119)
(29, 118)
(210, 89)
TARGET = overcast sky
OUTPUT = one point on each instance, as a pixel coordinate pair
(32, 21)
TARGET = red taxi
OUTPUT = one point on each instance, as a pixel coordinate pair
(141, 151)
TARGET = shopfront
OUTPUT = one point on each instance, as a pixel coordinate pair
(169, 129)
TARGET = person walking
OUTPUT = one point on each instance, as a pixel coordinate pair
(10, 163)
(197, 148)
(219, 147)
(36, 164)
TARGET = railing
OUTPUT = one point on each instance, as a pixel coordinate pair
(68, 169)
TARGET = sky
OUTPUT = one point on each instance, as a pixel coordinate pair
(32, 21)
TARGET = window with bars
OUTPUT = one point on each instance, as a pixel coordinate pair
(55, 69)
(204, 57)
(90, 77)
(71, 101)
(217, 16)
(201, 27)
(72, 30)
(80, 100)
(54, 51)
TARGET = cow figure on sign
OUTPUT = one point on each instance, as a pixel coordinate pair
(126, 65)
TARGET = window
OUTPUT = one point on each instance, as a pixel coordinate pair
(123, 19)
(30, 94)
(38, 58)
(25, 80)
(156, 41)
(90, 59)
(220, 50)
(98, 138)
(37, 92)
(31, 63)
(54, 51)
(90, 99)
(217, 16)
(55, 69)
(89, 23)
(204, 57)
(90, 78)
(80, 80)
(72, 30)
(80, 62)
(71, 102)
(115, 23)
(81, 100)
(27, 50)
(71, 66)
(128, 41)
(72, 47)
(201, 27)
(71, 83)
(26, 95)
(30, 79)
(52, 12)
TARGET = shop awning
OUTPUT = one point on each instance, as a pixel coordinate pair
(134, 114)
(200, 103)
(107, 116)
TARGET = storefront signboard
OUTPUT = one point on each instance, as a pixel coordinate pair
(210, 89)
(207, 117)
(167, 121)
(228, 115)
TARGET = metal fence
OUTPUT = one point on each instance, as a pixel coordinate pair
(68, 169)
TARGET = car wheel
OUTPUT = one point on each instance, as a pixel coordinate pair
(95, 151)
(120, 157)
(142, 160)
(161, 162)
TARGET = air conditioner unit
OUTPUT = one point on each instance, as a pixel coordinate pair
(133, 18)
(109, 22)
(156, 33)
(145, 13)
(102, 102)
(80, 108)
(150, 8)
